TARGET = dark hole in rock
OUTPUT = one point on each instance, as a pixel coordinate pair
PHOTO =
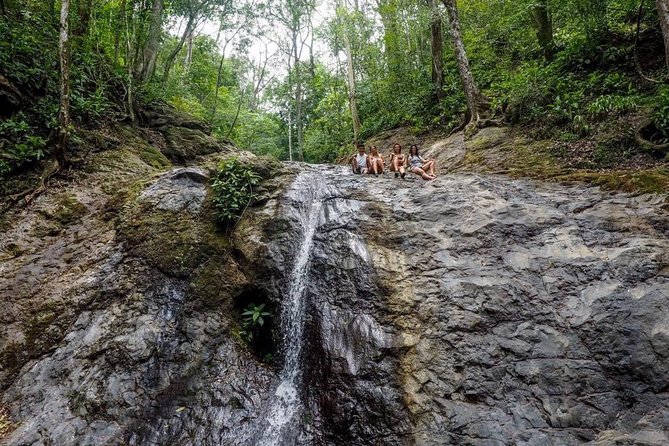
(259, 335)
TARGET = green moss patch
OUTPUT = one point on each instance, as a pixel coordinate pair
(175, 243)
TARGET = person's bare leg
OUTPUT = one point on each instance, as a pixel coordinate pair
(402, 171)
(431, 171)
(379, 165)
(354, 165)
(374, 167)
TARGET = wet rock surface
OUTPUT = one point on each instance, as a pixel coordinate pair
(481, 310)
(472, 310)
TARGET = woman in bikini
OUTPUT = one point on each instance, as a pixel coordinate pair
(397, 161)
(421, 167)
(375, 161)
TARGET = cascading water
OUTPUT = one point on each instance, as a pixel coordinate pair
(286, 403)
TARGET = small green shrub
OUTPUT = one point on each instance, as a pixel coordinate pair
(232, 190)
(253, 318)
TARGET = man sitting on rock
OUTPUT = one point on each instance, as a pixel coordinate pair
(359, 162)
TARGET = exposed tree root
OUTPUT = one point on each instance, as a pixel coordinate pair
(643, 141)
(28, 196)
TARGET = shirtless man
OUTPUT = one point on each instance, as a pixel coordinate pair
(360, 162)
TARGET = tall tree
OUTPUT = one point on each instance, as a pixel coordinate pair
(295, 17)
(543, 23)
(476, 102)
(663, 12)
(344, 29)
(436, 49)
(388, 10)
(64, 57)
(147, 62)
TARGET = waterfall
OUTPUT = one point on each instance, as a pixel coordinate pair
(286, 402)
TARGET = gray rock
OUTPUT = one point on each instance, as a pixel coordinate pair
(471, 310)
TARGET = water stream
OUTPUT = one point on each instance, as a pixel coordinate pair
(286, 404)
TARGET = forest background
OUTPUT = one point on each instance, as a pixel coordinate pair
(304, 80)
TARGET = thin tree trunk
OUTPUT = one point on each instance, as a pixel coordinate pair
(290, 135)
(175, 52)
(298, 96)
(388, 12)
(118, 31)
(663, 12)
(352, 100)
(64, 56)
(476, 103)
(188, 59)
(544, 25)
(128, 43)
(437, 50)
(150, 53)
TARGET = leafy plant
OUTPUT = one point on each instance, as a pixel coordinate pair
(18, 144)
(661, 115)
(253, 318)
(232, 190)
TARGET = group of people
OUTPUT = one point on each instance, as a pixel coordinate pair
(374, 163)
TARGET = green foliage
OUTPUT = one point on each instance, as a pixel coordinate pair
(253, 318)
(232, 189)
(661, 115)
(19, 144)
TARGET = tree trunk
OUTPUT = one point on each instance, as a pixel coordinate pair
(188, 59)
(290, 135)
(663, 12)
(437, 50)
(118, 31)
(150, 53)
(298, 95)
(128, 62)
(64, 56)
(175, 52)
(476, 103)
(84, 13)
(544, 25)
(388, 12)
(352, 100)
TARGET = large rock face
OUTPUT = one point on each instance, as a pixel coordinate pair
(479, 310)
(469, 310)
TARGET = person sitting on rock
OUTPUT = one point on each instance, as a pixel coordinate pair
(397, 161)
(421, 167)
(375, 161)
(360, 162)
